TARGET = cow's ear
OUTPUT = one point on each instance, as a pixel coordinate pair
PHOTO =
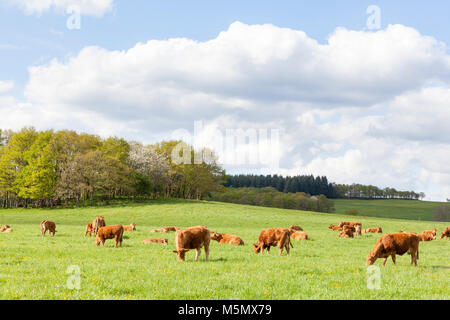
(175, 251)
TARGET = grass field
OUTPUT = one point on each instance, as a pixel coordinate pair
(398, 209)
(33, 267)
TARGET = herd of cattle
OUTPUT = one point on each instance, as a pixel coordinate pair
(195, 238)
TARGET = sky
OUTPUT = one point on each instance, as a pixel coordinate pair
(357, 91)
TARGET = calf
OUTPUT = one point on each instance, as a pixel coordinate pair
(334, 228)
(446, 233)
(227, 238)
(89, 229)
(48, 225)
(156, 240)
(192, 238)
(131, 227)
(432, 232)
(98, 223)
(373, 230)
(109, 232)
(426, 236)
(393, 244)
(280, 237)
(297, 235)
(297, 228)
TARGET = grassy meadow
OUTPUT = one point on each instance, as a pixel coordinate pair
(33, 267)
(396, 209)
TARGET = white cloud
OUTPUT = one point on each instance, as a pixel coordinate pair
(88, 7)
(367, 107)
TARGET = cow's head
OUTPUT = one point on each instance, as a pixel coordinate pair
(181, 253)
(216, 236)
(257, 247)
(133, 226)
(370, 260)
(442, 235)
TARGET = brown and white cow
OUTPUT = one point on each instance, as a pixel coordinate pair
(192, 238)
(395, 244)
(446, 233)
(110, 232)
(98, 223)
(224, 238)
(298, 235)
(156, 240)
(131, 227)
(47, 225)
(89, 230)
(280, 237)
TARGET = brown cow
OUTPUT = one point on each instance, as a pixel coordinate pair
(192, 238)
(358, 229)
(4, 228)
(226, 238)
(280, 237)
(393, 244)
(48, 225)
(334, 228)
(131, 227)
(109, 232)
(89, 229)
(98, 223)
(351, 224)
(156, 240)
(9, 230)
(426, 236)
(297, 235)
(347, 232)
(446, 233)
(373, 230)
(165, 229)
(297, 228)
(433, 232)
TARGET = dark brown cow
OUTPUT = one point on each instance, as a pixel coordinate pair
(297, 228)
(446, 233)
(48, 225)
(192, 238)
(89, 230)
(156, 240)
(110, 232)
(98, 223)
(393, 244)
(227, 238)
(280, 237)
(131, 227)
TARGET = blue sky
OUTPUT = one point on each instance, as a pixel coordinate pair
(357, 105)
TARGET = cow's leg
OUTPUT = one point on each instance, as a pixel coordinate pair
(413, 258)
(385, 259)
(393, 258)
(268, 249)
(207, 252)
(197, 253)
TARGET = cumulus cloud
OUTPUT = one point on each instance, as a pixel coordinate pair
(367, 107)
(88, 7)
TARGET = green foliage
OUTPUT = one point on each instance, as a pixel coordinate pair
(270, 197)
(351, 212)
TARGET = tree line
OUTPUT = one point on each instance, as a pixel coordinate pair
(47, 168)
(318, 185)
(270, 197)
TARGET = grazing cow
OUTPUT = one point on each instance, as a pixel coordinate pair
(4, 228)
(446, 233)
(48, 225)
(351, 224)
(297, 228)
(98, 223)
(156, 240)
(393, 244)
(280, 237)
(297, 235)
(109, 232)
(374, 230)
(226, 238)
(131, 227)
(334, 228)
(192, 238)
(89, 229)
